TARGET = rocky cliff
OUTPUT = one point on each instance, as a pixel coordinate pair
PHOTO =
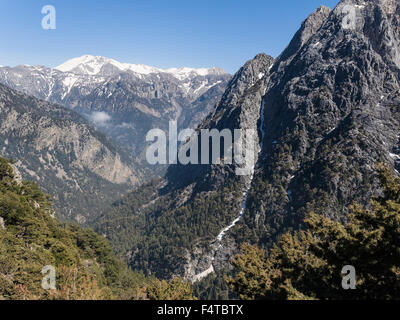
(331, 113)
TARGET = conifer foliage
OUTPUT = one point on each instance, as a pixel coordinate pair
(308, 264)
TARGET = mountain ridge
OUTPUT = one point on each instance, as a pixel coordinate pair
(93, 65)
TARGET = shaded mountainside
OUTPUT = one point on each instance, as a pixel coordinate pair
(326, 111)
(32, 242)
(68, 158)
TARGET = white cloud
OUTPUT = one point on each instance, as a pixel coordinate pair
(126, 125)
(100, 118)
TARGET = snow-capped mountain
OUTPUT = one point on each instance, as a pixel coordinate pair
(123, 100)
(97, 65)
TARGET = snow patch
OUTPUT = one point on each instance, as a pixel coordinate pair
(203, 274)
(68, 82)
(394, 156)
(246, 192)
(234, 222)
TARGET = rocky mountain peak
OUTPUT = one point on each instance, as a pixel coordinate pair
(308, 28)
(313, 22)
(239, 108)
(251, 72)
(331, 113)
(327, 112)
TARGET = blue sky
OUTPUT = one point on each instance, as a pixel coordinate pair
(161, 33)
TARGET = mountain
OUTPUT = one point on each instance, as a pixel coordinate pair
(64, 154)
(124, 101)
(331, 114)
(326, 112)
(173, 226)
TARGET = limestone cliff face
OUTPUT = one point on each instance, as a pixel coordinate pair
(60, 151)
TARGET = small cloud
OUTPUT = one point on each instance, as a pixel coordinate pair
(100, 118)
(126, 125)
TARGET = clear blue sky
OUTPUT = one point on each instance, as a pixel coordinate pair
(161, 33)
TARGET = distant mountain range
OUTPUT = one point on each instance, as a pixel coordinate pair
(102, 66)
(122, 100)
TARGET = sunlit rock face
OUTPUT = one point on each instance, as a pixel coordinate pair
(67, 157)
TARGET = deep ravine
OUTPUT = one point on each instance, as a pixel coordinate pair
(217, 243)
